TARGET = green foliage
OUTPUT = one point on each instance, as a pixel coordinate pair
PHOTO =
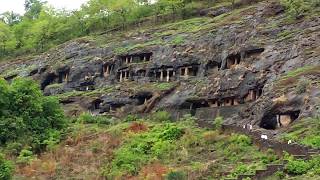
(87, 118)
(43, 27)
(6, 168)
(27, 116)
(297, 167)
(176, 175)
(297, 8)
(300, 167)
(131, 118)
(217, 123)
(160, 116)
(178, 40)
(302, 86)
(141, 148)
(305, 132)
(242, 169)
(25, 157)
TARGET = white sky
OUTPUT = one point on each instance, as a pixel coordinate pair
(17, 6)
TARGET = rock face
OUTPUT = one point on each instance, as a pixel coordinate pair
(248, 65)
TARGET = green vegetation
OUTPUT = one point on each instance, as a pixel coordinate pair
(43, 27)
(298, 8)
(27, 117)
(299, 167)
(6, 168)
(305, 132)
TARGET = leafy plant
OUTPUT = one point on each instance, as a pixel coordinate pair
(6, 168)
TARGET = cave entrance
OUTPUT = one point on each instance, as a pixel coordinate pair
(212, 67)
(274, 121)
(63, 76)
(196, 104)
(49, 79)
(142, 97)
(188, 71)
(233, 60)
(141, 73)
(214, 103)
(107, 68)
(123, 75)
(269, 122)
(253, 94)
(96, 104)
(287, 118)
(230, 102)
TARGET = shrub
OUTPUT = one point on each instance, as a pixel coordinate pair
(297, 167)
(87, 118)
(176, 175)
(161, 116)
(171, 132)
(14, 148)
(25, 157)
(6, 168)
(296, 8)
(155, 143)
(130, 118)
(211, 137)
(27, 116)
(217, 123)
(302, 86)
(241, 140)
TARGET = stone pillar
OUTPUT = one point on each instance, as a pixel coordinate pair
(186, 71)
(120, 76)
(161, 75)
(127, 60)
(168, 75)
(131, 59)
(125, 74)
(278, 120)
(66, 77)
(145, 58)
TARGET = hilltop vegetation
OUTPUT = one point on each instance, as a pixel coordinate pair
(43, 27)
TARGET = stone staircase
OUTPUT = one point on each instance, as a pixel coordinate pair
(296, 150)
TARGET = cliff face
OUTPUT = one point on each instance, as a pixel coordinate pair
(250, 65)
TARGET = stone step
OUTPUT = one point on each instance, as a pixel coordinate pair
(304, 157)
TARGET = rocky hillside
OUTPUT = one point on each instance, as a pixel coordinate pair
(252, 65)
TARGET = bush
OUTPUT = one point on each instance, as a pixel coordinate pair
(171, 132)
(6, 168)
(26, 115)
(302, 86)
(176, 175)
(217, 123)
(131, 118)
(161, 116)
(296, 8)
(297, 167)
(25, 157)
(155, 143)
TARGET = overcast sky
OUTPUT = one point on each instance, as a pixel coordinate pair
(17, 5)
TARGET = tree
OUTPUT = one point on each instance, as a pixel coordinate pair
(7, 41)
(33, 8)
(10, 18)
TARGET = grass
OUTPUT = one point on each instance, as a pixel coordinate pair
(305, 132)
(292, 78)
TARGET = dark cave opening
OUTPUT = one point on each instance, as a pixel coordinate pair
(142, 97)
(269, 122)
(273, 121)
(232, 60)
(49, 79)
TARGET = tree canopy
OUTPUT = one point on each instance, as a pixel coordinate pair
(42, 27)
